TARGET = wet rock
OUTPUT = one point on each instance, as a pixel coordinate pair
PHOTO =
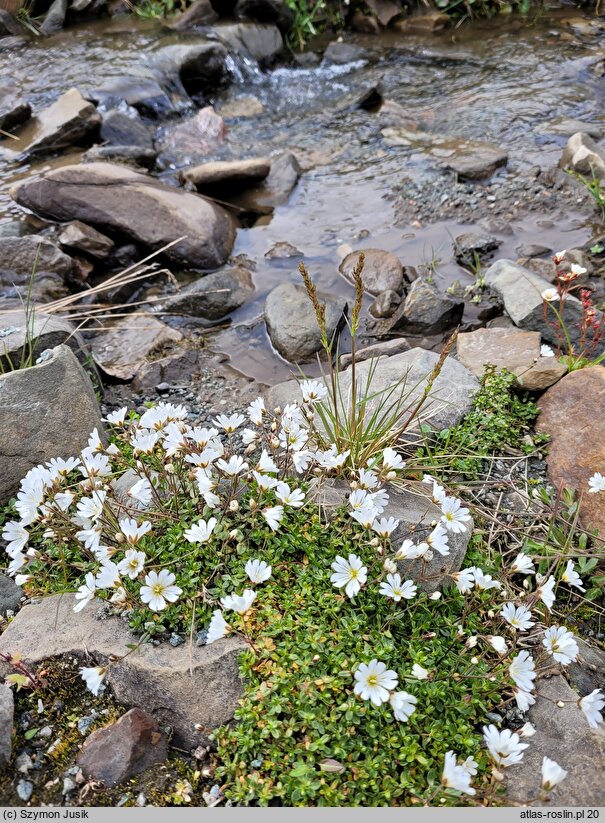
(588, 673)
(515, 350)
(571, 412)
(14, 110)
(475, 160)
(382, 270)
(499, 225)
(372, 98)
(291, 322)
(79, 236)
(23, 255)
(246, 105)
(13, 43)
(213, 296)
(142, 93)
(55, 18)
(424, 23)
(263, 42)
(121, 129)
(126, 748)
(46, 411)
(563, 735)
(392, 115)
(532, 250)
(567, 128)
(385, 304)
(65, 123)
(25, 790)
(521, 290)
(583, 155)
(137, 158)
(114, 198)
(282, 251)
(190, 68)
(9, 25)
(364, 23)
(384, 10)
(266, 11)
(427, 311)
(199, 14)
(10, 600)
(342, 53)
(47, 331)
(274, 190)
(449, 400)
(227, 175)
(384, 349)
(176, 364)
(181, 687)
(122, 350)
(471, 246)
(195, 137)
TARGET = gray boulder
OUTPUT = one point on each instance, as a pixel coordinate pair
(405, 376)
(45, 331)
(46, 411)
(222, 175)
(142, 93)
(137, 158)
(10, 600)
(121, 129)
(115, 198)
(263, 42)
(192, 689)
(213, 296)
(14, 110)
(475, 160)
(427, 311)
(583, 155)
(55, 17)
(79, 236)
(386, 348)
(274, 190)
(382, 270)
(24, 255)
(199, 14)
(189, 68)
(291, 321)
(7, 711)
(65, 123)
(472, 247)
(342, 53)
(521, 291)
(9, 25)
(266, 11)
(588, 672)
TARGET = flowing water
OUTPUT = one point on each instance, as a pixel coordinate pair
(511, 83)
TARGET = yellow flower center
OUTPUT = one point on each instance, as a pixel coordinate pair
(157, 588)
(372, 680)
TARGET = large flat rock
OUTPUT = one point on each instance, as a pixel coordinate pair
(113, 198)
(572, 414)
(183, 687)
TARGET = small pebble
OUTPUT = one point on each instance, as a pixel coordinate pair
(25, 789)
(141, 800)
(68, 785)
(176, 640)
(84, 724)
(23, 763)
(201, 637)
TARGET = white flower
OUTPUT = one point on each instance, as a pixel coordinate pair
(546, 351)
(16, 536)
(438, 540)
(485, 581)
(454, 516)
(86, 592)
(293, 437)
(29, 498)
(203, 437)
(93, 677)
(524, 699)
(374, 681)
(19, 560)
(63, 500)
(552, 774)
(133, 563)
(523, 671)
(575, 269)
(258, 571)
(419, 672)
(403, 705)
(504, 747)
(391, 461)
(61, 468)
(592, 705)
(546, 594)
(527, 729)
(395, 589)
(359, 500)
(301, 459)
(550, 295)
(572, 577)
(249, 436)
(117, 418)
(95, 465)
(351, 574)
(175, 439)
(235, 465)
(367, 479)
(91, 508)
(162, 413)
(365, 517)
(519, 617)
(438, 494)
(22, 579)
(498, 643)
(145, 442)
(132, 531)
(141, 491)
(379, 500)
(455, 776)
(240, 603)
(273, 516)
(410, 551)
(470, 766)
(294, 498)
(332, 458)
(313, 391)
(108, 576)
(205, 485)
(464, 580)
(119, 597)
(561, 643)
(91, 538)
(255, 411)
(523, 564)
(266, 463)
(596, 483)
(264, 481)
(159, 589)
(201, 531)
(217, 627)
(385, 526)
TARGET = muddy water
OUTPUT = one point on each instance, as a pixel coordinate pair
(509, 83)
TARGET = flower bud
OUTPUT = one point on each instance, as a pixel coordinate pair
(374, 542)
(233, 534)
(474, 660)
(471, 642)
(233, 506)
(389, 566)
(252, 504)
(391, 475)
(435, 595)
(274, 443)
(273, 426)
(169, 468)
(119, 537)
